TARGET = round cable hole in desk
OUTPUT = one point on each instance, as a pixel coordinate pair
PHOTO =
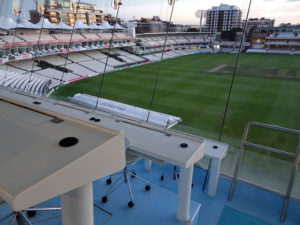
(68, 142)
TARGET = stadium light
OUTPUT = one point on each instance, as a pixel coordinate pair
(200, 14)
(115, 4)
(171, 2)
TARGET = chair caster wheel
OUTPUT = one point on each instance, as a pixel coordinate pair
(130, 204)
(162, 178)
(108, 181)
(147, 187)
(133, 174)
(104, 199)
(31, 214)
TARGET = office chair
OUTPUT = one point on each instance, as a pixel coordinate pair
(131, 158)
(20, 217)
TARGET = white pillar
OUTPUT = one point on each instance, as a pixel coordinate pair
(184, 194)
(147, 164)
(77, 206)
(213, 177)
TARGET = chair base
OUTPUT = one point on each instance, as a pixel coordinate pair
(125, 173)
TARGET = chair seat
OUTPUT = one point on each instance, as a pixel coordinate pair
(131, 157)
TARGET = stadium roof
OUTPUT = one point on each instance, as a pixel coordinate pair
(7, 23)
(45, 24)
(27, 25)
(119, 27)
(105, 26)
(80, 25)
(95, 27)
(64, 26)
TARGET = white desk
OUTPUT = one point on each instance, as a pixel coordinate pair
(216, 152)
(148, 142)
(34, 167)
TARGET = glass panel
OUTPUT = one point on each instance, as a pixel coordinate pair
(265, 90)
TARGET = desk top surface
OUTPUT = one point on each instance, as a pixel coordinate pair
(147, 141)
(31, 153)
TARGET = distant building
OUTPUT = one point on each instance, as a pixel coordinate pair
(67, 11)
(223, 18)
(156, 25)
(283, 37)
(257, 23)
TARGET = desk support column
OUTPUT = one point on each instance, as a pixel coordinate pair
(77, 206)
(147, 164)
(184, 194)
(213, 177)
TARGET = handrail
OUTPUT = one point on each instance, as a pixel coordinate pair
(272, 150)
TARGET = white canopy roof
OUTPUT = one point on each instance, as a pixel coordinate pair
(7, 23)
(105, 26)
(80, 25)
(28, 25)
(63, 26)
(119, 27)
(45, 24)
(94, 26)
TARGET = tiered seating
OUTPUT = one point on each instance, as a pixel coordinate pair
(25, 82)
(96, 66)
(37, 38)
(80, 70)
(192, 51)
(123, 36)
(11, 39)
(26, 65)
(95, 54)
(180, 40)
(11, 69)
(126, 59)
(182, 52)
(56, 60)
(112, 62)
(76, 57)
(171, 54)
(104, 36)
(136, 58)
(90, 36)
(152, 58)
(57, 76)
(66, 37)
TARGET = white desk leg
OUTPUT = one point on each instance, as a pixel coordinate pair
(213, 177)
(184, 194)
(77, 206)
(147, 164)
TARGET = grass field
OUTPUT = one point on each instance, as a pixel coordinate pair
(195, 87)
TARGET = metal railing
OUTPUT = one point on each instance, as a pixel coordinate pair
(295, 156)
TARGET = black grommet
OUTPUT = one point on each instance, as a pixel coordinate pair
(97, 120)
(92, 119)
(215, 147)
(68, 142)
(184, 145)
(37, 103)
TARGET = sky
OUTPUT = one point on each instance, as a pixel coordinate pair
(283, 11)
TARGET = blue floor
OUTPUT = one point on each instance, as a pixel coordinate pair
(250, 206)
